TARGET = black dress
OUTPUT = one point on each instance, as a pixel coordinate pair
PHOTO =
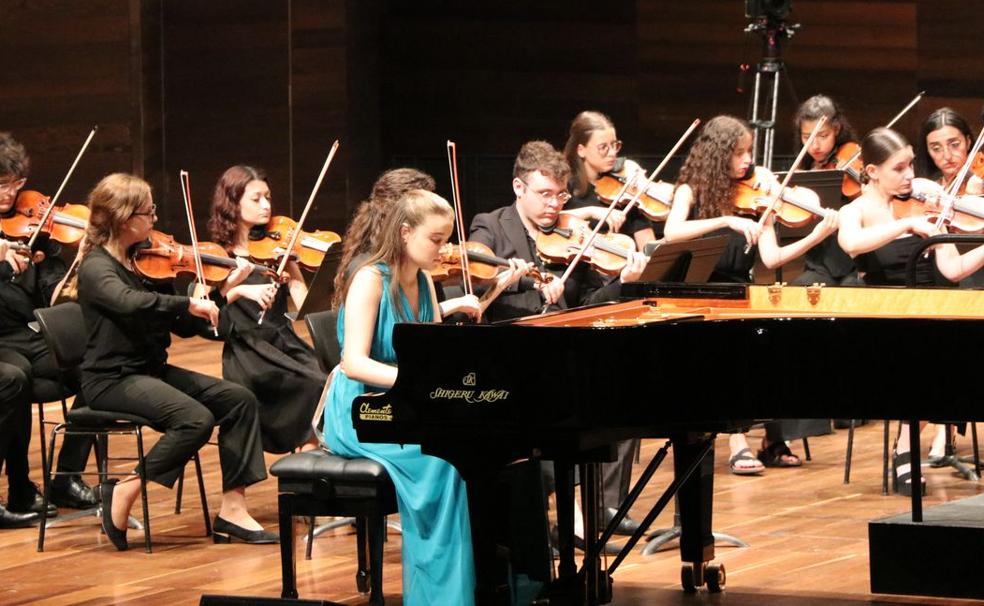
(886, 266)
(275, 364)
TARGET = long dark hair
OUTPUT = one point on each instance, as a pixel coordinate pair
(707, 169)
(812, 110)
(944, 116)
(223, 221)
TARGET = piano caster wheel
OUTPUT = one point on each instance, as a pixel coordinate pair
(715, 577)
(687, 578)
(694, 577)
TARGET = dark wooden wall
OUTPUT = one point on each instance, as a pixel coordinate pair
(203, 85)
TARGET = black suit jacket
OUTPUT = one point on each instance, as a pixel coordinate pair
(502, 230)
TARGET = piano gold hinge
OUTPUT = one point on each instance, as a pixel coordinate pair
(775, 292)
(813, 293)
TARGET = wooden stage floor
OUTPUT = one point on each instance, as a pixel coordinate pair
(807, 533)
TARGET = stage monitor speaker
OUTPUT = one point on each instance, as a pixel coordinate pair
(233, 600)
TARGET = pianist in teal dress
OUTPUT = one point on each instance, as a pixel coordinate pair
(438, 567)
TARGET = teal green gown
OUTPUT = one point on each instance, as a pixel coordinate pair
(438, 567)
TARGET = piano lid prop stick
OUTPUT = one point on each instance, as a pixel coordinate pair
(459, 221)
(890, 124)
(617, 197)
(789, 174)
(196, 253)
(300, 222)
(68, 175)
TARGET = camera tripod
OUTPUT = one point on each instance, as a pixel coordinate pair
(765, 96)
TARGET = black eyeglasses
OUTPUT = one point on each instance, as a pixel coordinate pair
(150, 213)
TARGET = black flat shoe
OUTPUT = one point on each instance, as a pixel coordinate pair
(224, 531)
(73, 493)
(10, 519)
(29, 500)
(626, 527)
(116, 536)
(610, 548)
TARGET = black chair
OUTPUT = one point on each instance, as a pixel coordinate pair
(62, 327)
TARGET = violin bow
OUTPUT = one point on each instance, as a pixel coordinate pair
(789, 174)
(68, 175)
(890, 124)
(628, 207)
(459, 221)
(196, 253)
(954, 186)
(300, 222)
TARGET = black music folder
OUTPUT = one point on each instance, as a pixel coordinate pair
(321, 288)
(692, 261)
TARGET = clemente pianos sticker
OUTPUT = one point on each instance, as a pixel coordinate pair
(382, 413)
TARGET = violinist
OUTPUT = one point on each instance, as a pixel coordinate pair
(825, 263)
(540, 175)
(882, 243)
(26, 285)
(945, 140)
(125, 367)
(702, 204)
(592, 152)
(392, 285)
(269, 358)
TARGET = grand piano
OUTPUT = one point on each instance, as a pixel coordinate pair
(668, 361)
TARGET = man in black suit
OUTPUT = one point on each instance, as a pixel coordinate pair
(540, 176)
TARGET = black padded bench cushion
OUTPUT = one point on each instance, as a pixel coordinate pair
(328, 475)
(83, 416)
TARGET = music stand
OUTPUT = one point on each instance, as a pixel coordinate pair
(692, 261)
(322, 285)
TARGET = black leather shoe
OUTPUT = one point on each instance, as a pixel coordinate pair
(626, 527)
(10, 519)
(116, 536)
(29, 500)
(73, 493)
(224, 531)
(610, 548)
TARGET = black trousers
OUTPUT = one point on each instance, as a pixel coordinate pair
(617, 475)
(29, 352)
(15, 416)
(185, 406)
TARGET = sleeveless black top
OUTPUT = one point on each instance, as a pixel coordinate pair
(886, 265)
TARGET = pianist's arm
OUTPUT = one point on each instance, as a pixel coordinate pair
(362, 307)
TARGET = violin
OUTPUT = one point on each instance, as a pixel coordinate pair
(267, 243)
(797, 207)
(848, 159)
(964, 213)
(654, 202)
(163, 258)
(65, 223)
(482, 264)
(561, 243)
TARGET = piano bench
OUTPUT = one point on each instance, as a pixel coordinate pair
(318, 483)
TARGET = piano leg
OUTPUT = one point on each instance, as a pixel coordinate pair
(695, 499)
(491, 572)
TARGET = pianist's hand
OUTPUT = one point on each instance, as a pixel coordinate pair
(633, 269)
(468, 305)
(748, 228)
